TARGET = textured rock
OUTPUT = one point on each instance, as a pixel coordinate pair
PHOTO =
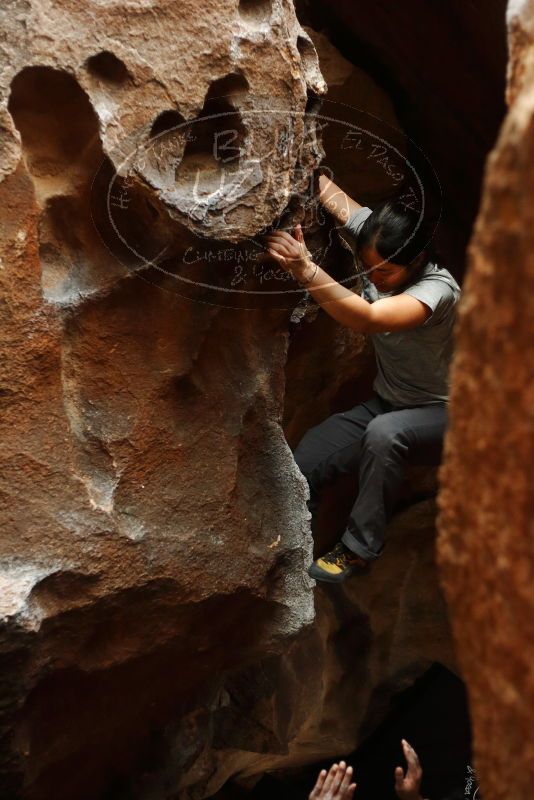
(486, 505)
(154, 529)
(154, 526)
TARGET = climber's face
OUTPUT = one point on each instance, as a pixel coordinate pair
(386, 275)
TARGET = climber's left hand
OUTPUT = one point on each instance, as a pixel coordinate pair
(290, 252)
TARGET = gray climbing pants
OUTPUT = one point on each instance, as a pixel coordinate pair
(374, 440)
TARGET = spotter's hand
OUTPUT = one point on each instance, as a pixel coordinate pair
(334, 785)
(407, 786)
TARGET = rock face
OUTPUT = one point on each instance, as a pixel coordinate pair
(157, 621)
(154, 529)
(486, 505)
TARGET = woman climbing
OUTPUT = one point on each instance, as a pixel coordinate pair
(407, 306)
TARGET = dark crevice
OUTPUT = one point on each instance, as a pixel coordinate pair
(106, 67)
(313, 102)
(55, 119)
(445, 74)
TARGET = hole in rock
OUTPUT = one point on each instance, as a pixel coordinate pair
(75, 188)
(105, 66)
(61, 144)
(56, 121)
(255, 12)
(166, 121)
(216, 140)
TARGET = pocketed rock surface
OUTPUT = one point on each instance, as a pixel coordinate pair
(155, 536)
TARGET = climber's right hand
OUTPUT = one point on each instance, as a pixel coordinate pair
(334, 785)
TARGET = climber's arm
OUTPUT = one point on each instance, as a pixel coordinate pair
(335, 200)
(398, 313)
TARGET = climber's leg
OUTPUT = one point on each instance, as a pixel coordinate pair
(333, 446)
(390, 441)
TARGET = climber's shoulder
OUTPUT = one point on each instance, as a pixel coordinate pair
(438, 289)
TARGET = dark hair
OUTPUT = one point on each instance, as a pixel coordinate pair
(397, 233)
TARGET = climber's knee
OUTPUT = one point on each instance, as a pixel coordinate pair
(381, 437)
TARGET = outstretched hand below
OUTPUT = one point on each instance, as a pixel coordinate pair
(408, 786)
(334, 785)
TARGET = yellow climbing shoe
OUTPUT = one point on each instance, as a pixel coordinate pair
(337, 565)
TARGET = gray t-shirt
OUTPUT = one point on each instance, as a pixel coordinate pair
(413, 365)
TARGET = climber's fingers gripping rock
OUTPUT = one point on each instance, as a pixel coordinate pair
(289, 251)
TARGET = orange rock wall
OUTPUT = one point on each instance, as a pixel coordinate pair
(486, 504)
